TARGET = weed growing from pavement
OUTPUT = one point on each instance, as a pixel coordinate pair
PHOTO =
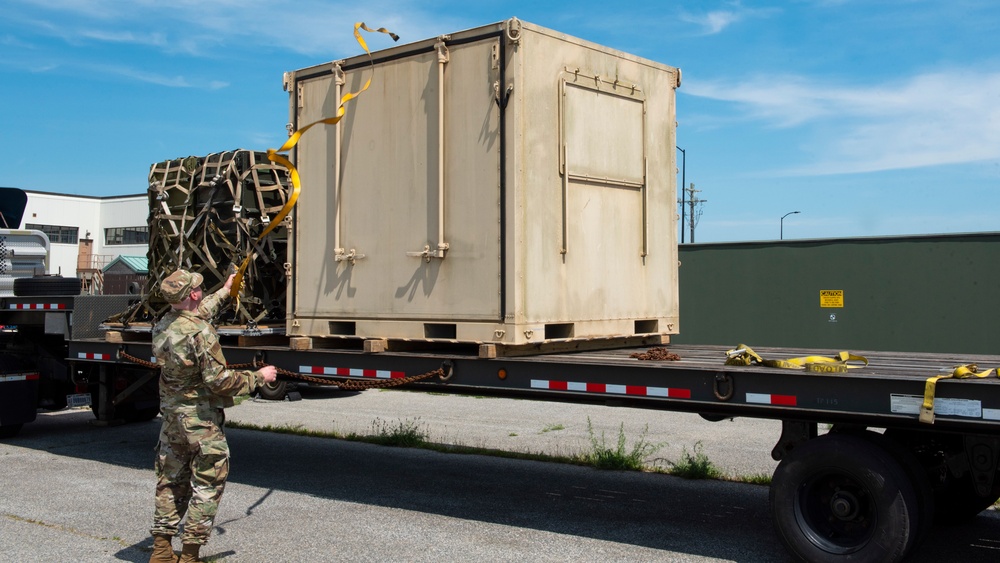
(620, 457)
(404, 433)
(755, 479)
(697, 466)
(552, 428)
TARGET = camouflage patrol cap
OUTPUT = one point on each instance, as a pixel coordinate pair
(178, 285)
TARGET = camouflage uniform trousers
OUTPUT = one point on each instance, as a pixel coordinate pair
(192, 464)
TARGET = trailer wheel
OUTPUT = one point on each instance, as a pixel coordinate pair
(841, 497)
(10, 430)
(47, 285)
(274, 391)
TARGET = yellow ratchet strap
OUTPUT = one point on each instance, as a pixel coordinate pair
(961, 372)
(273, 156)
(743, 355)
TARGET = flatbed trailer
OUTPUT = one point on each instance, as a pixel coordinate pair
(860, 478)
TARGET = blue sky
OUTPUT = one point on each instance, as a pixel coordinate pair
(869, 117)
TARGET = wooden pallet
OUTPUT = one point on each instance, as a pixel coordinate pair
(477, 349)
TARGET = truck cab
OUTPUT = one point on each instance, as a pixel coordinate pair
(36, 324)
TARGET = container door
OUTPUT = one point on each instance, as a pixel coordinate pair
(417, 232)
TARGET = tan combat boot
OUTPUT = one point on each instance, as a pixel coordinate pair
(163, 552)
(189, 553)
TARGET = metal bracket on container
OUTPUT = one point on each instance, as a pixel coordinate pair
(513, 29)
(598, 80)
(427, 253)
(502, 100)
(351, 257)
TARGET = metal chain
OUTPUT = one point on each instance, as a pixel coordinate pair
(350, 385)
(126, 356)
(361, 385)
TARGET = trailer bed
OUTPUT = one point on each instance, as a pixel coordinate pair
(888, 392)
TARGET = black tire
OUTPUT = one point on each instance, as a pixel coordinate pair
(274, 391)
(47, 285)
(840, 497)
(926, 503)
(10, 430)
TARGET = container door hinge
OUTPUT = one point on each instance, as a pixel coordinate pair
(502, 100)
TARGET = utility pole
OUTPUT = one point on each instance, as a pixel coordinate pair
(695, 208)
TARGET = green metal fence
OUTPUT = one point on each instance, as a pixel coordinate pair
(938, 293)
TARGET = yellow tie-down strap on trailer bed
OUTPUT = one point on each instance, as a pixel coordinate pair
(743, 355)
(967, 371)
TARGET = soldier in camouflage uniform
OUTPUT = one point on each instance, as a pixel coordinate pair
(192, 460)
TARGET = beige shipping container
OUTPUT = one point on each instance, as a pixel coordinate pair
(507, 184)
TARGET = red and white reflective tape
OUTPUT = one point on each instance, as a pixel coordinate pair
(609, 389)
(769, 399)
(352, 372)
(37, 306)
(19, 377)
(93, 356)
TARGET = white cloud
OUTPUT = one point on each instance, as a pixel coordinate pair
(930, 119)
(716, 21)
(712, 22)
(141, 75)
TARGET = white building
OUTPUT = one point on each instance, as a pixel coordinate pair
(86, 233)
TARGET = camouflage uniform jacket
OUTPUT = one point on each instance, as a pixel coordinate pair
(192, 368)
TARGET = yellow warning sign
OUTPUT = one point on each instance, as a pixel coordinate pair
(831, 298)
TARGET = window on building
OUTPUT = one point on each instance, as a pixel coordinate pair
(126, 235)
(57, 234)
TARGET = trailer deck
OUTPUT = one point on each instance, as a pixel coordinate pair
(888, 392)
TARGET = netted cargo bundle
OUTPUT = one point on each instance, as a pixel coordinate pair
(206, 215)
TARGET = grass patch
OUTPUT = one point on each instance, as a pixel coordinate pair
(696, 466)
(755, 479)
(293, 429)
(552, 428)
(402, 433)
(620, 456)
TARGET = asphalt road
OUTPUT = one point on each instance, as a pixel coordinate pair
(75, 492)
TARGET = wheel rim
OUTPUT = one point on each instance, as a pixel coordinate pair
(836, 512)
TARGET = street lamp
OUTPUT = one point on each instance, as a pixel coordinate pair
(782, 235)
(684, 159)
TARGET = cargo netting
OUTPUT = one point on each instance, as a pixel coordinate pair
(205, 215)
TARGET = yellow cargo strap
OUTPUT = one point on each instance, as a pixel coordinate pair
(743, 355)
(273, 156)
(961, 372)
